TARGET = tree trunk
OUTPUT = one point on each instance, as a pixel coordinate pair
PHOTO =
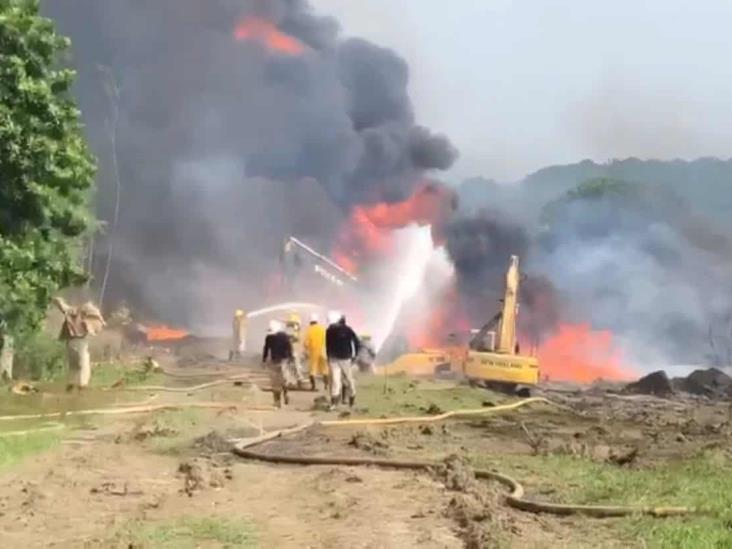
(7, 354)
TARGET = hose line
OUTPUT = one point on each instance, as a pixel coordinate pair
(515, 498)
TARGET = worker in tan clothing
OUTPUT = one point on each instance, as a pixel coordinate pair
(239, 327)
(80, 323)
(295, 376)
(314, 346)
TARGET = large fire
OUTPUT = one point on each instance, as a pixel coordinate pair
(268, 35)
(577, 353)
(164, 333)
(571, 353)
(446, 317)
(367, 234)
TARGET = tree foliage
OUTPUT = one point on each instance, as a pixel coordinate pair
(620, 192)
(46, 170)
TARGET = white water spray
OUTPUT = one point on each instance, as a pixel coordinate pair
(408, 273)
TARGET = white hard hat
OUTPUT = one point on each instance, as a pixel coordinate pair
(334, 317)
(314, 317)
(274, 326)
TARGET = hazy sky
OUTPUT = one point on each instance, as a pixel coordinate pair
(521, 84)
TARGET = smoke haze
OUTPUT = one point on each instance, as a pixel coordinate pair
(240, 122)
(243, 122)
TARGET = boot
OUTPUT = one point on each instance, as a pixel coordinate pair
(312, 383)
(334, 401)
(351, 400)
(287, 398)
(277, 399)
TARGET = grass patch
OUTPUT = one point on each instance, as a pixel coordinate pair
(53, 397)
(105, 374)
(406, 396)
(187, 423)
(703, 482)
(190, 532)
(13, 449)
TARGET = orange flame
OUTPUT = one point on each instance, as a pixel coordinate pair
(367, 233)
(446, 317)
(164, 333)
(577, 353)
(267, 34)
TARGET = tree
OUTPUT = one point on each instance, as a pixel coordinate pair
(46, 170)
(601, 188)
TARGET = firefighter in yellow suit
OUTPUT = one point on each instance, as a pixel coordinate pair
(314, 347)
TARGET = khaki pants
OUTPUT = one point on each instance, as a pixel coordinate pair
(341, 372)
(277, 372)
(79, 361)
(293, 371)
(240, 345)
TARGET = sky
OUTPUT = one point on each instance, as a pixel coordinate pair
(519, 85)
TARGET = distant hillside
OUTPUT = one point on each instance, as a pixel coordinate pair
(705, 184)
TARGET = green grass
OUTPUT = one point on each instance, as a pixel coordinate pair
(13, 449)
(704, 483)
(52, 395)
(105, 374)
(187, 423)
(405, 396)
(190, 532)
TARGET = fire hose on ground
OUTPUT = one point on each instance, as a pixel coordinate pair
(515, 498)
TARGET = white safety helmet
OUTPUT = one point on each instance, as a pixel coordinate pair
(334, 317)
(274, 326)
(314, 317)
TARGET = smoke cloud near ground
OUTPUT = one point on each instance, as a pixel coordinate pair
(240, 123)
(635, 259)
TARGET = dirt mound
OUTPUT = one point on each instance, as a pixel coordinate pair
(471, 507)
(369, 443)
(655, 383)
(212, 443)
(710, 382)
(458, 475)
(199, 474)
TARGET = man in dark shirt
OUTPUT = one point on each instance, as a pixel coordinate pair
(341, 346)
(278, 349)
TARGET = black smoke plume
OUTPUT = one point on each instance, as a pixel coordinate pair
(225, 146)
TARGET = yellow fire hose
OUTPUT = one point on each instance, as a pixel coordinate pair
(139, 409)
(515, 498)
(192, 389)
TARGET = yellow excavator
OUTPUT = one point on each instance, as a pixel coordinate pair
(492, 358)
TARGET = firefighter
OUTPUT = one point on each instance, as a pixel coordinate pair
(80, 323)
(314, 346)
(278, 350)
(295, 365)
(239, 326)
(342, 347)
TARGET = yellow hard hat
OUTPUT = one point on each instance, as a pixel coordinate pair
(294, 317)
(239, 312)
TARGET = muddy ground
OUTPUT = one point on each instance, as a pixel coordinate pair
(167, 479)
